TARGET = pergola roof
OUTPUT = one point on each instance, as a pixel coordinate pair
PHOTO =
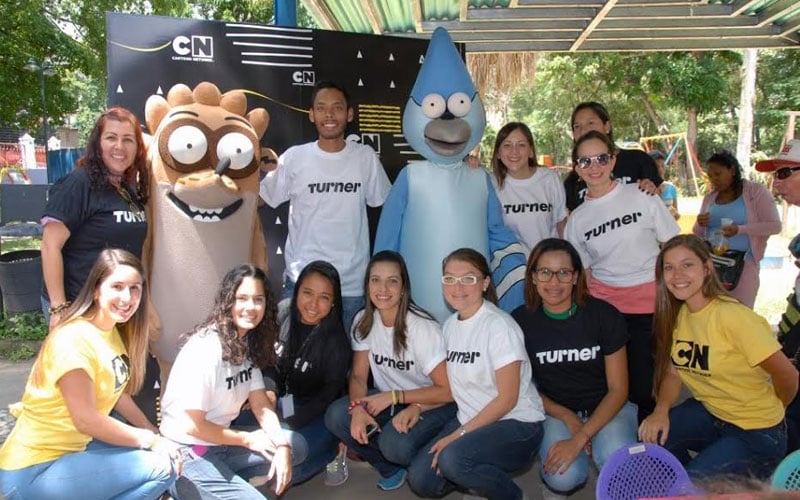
(574, 25)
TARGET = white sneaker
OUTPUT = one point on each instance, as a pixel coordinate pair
(336, 472)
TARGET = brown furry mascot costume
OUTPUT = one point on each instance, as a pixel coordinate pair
(202, 221)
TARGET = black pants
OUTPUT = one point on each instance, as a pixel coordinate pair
(641, 362)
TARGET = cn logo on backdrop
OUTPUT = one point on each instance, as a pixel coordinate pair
(306, 78)
(195, 47)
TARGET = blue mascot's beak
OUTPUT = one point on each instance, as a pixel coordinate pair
(447, 137)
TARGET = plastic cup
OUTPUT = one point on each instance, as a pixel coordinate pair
(725, 222)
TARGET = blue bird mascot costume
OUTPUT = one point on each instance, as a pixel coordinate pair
(441, 204)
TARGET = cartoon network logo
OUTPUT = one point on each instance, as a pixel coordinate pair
(304, 78)
(194, 48)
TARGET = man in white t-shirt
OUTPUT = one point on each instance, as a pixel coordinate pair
(328, 183)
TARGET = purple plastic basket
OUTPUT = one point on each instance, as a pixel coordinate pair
(642, 470)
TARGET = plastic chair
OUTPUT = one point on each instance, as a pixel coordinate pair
(642, 470)
(787, 475)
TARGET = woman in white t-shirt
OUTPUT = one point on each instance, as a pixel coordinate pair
(616, 231)
(402, 346)
(215, 373)
(498, 427)
(532, 197)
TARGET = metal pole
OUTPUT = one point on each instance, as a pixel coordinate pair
(44, 116)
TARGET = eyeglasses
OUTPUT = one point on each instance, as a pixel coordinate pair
(585, 162)
(785, 172)
(127, 198)
(467, 280)
(545, 275)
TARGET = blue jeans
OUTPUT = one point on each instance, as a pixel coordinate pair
(350, 305)
(479, 461)
(322, 447)
(390, 450)
(618, 432)
(102, 471)
(221, 472)
(722, 448)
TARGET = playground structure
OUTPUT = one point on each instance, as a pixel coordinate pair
(685, 170)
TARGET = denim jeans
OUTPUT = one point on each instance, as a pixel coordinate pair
(322, 447)
(723, 448)
(102, 471)
(350, 305)
(480, 461)
(221, 472)
(618, 432)
(389, 450)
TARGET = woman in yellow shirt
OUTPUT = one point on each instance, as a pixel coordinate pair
(64, 444)
(730, 361)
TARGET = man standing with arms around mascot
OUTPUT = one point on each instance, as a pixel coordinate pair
(328, 183)
(786, 182)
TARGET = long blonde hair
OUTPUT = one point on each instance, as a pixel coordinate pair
(667, 306)
(134, 332)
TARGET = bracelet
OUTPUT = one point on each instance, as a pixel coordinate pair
(462, 431)
(59, 308)
(394, 402)
(355, 404)
(283, 445)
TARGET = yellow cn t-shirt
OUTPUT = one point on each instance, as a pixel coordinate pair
(716, 352)
(44, 430)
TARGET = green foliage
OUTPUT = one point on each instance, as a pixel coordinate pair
(777, 92)
(22, 243)
(23, 326)
(17, 352)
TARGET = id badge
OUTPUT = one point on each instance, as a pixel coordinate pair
(287, 406)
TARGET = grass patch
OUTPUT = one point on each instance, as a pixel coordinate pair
(18, 352)
(23, 326)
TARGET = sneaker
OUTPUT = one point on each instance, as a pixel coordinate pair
(396, 480)
(336, 472)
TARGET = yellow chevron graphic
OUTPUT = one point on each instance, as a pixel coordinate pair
(141, 49)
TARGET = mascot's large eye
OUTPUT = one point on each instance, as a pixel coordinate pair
(238, 147)
(433, 105)
(187, 144)
(459, 104)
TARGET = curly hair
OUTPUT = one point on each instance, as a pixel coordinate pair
(136, 175)
(259, 343)
(728, 160)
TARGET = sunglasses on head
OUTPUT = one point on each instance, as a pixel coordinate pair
(785, 172)
(585, 162)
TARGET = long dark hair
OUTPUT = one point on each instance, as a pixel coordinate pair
(478, 261)
(259, 343)
(498, 167)
(579, 290)
(136, 176)
(134, 332)
(726, 159)
(667, 306)
(406, 305)
(596, 108)
(329, 327)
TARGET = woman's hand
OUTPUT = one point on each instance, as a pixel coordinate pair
(378, 402)
(359, 420)
(563, 453)
(281, 468)
(656, 423)
(575, 426)
(407, 418)
(703, 219)
(647, 186)
(730, 230)
(441, 444)
(259, 442)
(172, 450)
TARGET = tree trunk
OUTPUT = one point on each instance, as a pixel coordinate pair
(654, 116)
(691, 126)
(747, 99)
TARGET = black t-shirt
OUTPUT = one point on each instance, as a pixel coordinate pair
(567, 355)
(96, 219)
(632, 165)
(313, 384)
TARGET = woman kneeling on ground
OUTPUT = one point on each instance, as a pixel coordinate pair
(65, 445)
(216, 371)
(576, 344)
(728, 358)
(498, 428)
(402, 346)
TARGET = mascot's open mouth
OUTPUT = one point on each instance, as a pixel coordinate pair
(205, 214)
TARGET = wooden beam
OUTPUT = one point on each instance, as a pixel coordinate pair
(790, 27)
(322, 14)
(586, 33)
(372, 16)
(740, 6)
(416, 11)
(463, 9)
(776, 11)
